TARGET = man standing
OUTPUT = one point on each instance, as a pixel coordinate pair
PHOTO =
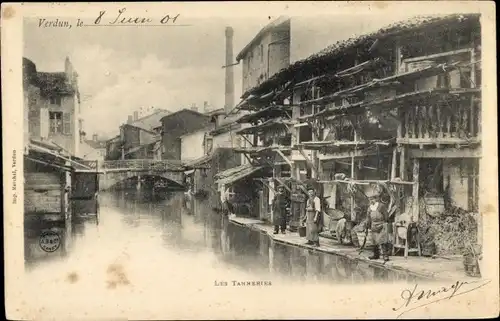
(378, 223)
(280, 204)
(312, 217)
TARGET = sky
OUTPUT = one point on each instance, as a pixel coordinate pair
(127, 69)
(122, 70)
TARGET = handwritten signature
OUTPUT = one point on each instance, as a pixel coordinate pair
(121, 19)
(417, 298)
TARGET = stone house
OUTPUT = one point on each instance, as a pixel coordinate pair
(177, 124)
(52, 106)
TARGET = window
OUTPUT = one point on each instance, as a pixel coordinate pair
(209, 145)
(55, 101)
(261, 53)
(55, 122)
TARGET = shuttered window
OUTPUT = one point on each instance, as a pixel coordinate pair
(67, 123)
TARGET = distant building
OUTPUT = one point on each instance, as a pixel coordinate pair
(52, 106)
(114, 148)
(177, 124)
(193, 144)
(93, 149)
(266, 54)
(139, 135)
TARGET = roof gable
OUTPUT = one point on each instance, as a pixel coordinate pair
(179, 113)
(268, 28)
(151, 121)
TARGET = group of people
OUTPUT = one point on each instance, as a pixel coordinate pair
(311, 219)
(378, 220)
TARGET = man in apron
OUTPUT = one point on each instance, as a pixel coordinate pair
(378, 223)
(280, 204)
(312, 217)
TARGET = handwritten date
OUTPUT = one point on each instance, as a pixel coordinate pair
(121, 19)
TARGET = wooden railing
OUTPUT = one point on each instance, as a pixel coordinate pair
(86, 164)
(443, 123)
(141, 164)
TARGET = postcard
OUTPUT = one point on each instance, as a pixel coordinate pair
(250, 160)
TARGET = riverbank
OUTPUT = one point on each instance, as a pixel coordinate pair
(422, 267)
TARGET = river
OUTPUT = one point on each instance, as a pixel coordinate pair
(161, 248)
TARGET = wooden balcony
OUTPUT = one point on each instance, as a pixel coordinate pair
(447, 123)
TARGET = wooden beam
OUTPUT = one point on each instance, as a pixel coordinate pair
(251, 143)
(349, 154)
(263, 181)
(366, 182)
(279, 152)
(308, 161)
(445, 153)
(248, 158)
(416, 205)
(283, 184)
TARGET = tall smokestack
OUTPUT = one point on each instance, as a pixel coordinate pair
(129, 120)
(136, 115)
(229, 98)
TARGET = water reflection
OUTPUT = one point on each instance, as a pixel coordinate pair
(192, 227)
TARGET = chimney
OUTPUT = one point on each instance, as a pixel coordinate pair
(136, 115)
(94, 137)
(229, 93)
(205, 106)
(193, 107)
(129, 120)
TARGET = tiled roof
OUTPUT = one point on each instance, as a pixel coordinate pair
(183, 111)
(54, 82)
(152, 121)
(340, 47)
(96, 144)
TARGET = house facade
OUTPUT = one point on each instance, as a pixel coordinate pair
(138, 138)
(266, 54)
(177, 124)
(52, 106)
(194, 144)
(93, 149)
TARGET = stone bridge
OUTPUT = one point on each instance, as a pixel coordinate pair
(117, 171)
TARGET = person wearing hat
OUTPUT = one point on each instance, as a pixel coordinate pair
(378, 223)
(280, 204)
(312, 217)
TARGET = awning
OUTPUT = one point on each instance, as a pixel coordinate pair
(236, 173)
(272, 111)
(199, 162)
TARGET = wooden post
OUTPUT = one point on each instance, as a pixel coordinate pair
(393, 163)
(416, 206)
(402, 163)
(353, 199)
(397, 57)
(400, 124)
(321, 175)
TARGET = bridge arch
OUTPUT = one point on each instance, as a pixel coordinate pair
(114, 172)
